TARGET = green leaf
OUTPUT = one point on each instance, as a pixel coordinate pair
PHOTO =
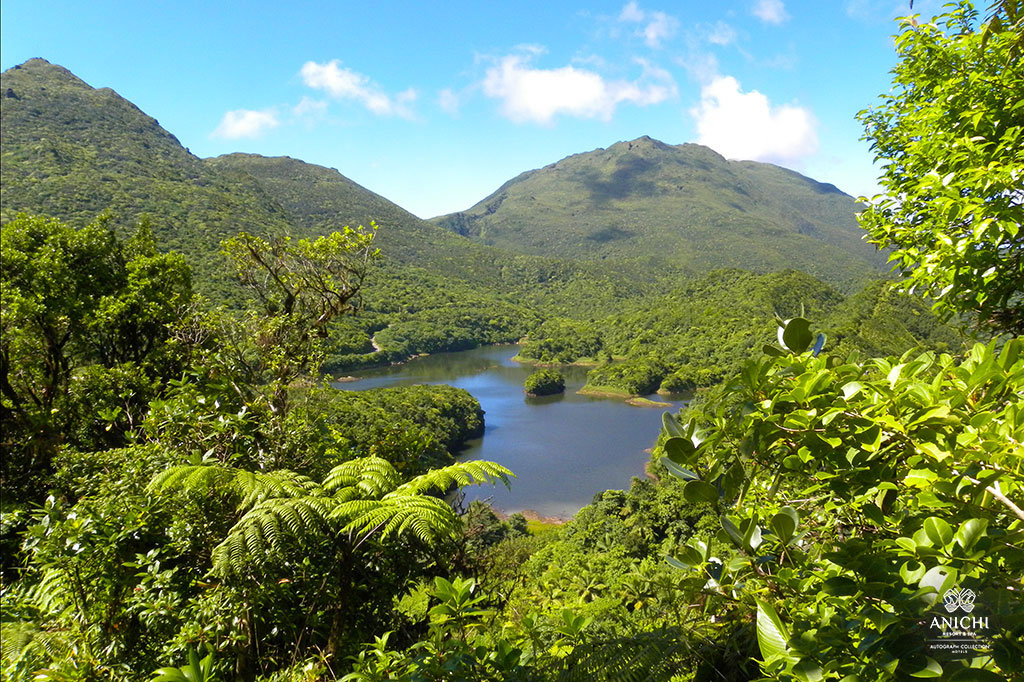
(772, 635)
(696, 492)
(795, 335)
(938, 531)
(678, 471)
(840, 586)
(671, 424)
(679, 449)
(912, 572)
(907, 544)
(851, 389)
(733, 532)
(688, 558)
(970, 531)
(784, 523)
(752, 535)
(808, 671)
(931, 669)
(940, 578)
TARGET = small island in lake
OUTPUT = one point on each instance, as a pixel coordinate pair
(544, 382)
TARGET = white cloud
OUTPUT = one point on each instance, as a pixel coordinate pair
(245, 123)
(721, 33)
(344, 83)
(310, 107)
(631, 12)
(745, 125)
(538, 95)
(448, 101)
(770, 11)
(702, 66)
(659, 26)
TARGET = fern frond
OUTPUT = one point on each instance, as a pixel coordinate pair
(371, 476)
(459, 474)
(51, 594)
(18, 638)
(257, 487)
(427, 517)
(264, 528)
(191, 477)
(656, 656)
(251, 487)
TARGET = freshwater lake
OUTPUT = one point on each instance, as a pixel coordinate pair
(563, 449)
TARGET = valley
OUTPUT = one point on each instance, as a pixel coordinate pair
(262, 424)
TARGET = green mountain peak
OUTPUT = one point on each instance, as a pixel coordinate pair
(676, 206)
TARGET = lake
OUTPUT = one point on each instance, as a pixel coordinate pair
(563, 449)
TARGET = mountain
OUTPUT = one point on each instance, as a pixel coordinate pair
(685, 207)
(73, 152)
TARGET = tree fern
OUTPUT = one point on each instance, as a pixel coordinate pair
(428, 517)
(358, 498)
(263, 529)
(459, 475)
(367, 477)
(250, 487)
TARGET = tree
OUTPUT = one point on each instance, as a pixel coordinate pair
(284, 516)
(950, 137)
(75, 299)
(544, 382)
(300, 287)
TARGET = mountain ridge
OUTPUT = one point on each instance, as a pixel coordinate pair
(638, 210)
(642, 197)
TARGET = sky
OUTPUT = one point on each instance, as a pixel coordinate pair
(435, 105)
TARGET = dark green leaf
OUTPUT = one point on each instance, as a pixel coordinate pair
(696, 492)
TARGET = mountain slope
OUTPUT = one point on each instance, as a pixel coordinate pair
(73, 152)
(684, 206)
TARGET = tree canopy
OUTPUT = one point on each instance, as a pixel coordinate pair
(950, 136)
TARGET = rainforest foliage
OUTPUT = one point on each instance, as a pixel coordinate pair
(544, 382)
(186, 498)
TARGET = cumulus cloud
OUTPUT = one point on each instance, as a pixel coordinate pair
(657, 26)
(534, 95)
(745, 125)
(770, 11)
(720, 33)
(245, 123)
(344, 83)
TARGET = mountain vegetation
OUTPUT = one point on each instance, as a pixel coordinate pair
(682, 207)
(185, 497)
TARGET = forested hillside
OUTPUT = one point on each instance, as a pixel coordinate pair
(680, 207)
(187, 498)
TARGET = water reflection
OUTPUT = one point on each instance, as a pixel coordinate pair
(563, 449)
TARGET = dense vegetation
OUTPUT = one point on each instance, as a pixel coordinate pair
(182, 491)
(544, 382)
(679, 208)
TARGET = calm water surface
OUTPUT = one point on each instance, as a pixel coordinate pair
(563, 449)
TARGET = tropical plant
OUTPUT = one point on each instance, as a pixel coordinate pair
(357, 499)
(855, 495)
(300, 287)
(949, 136)
(196, 670)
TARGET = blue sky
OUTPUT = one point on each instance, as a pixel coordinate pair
(434, 105)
